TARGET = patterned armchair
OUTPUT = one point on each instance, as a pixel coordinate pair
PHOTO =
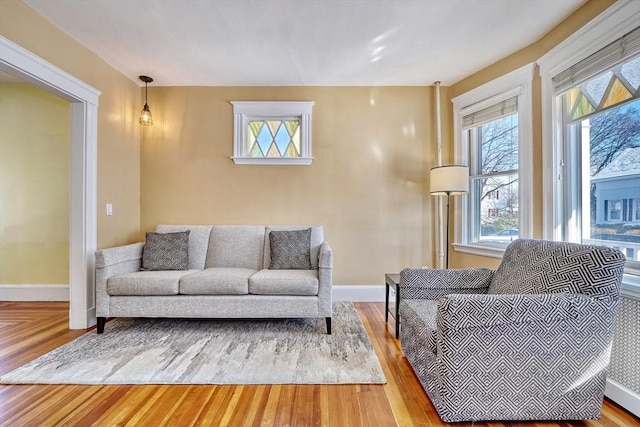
(528, 341)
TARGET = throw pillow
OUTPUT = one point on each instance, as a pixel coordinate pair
(290, 250)
(166, 251)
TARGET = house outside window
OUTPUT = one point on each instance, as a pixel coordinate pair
(493, 136)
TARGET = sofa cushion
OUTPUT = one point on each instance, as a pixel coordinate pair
(236, 246)
(422, 312)
(317, 237)
(146, 283)
(284, 282)
(217, 281)
(290, 250)
(166, 251)
(198, 241)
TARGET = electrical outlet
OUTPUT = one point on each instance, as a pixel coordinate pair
(109, 209)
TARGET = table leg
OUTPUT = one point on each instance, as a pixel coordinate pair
(397, 312)
(386, 303)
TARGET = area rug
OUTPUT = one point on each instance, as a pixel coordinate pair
(213, 351)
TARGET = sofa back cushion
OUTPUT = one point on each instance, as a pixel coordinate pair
(198, 241)
(236, 246)
(541, 267)
(317, 237)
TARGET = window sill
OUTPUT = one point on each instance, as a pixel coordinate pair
(272, 161)
(480, 250)
(631, 284)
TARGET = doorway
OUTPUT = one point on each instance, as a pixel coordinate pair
(32, 69)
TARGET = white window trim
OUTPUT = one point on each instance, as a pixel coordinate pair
(610, 211)
(243, 111)
(622, 17)
(515, 83)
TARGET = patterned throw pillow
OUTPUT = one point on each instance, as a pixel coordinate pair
(290, 250)
(166, 251)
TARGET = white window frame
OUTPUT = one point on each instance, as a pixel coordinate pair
(516, 83)
(244, 111)
(635, 210)
(619, 19)
(610, 210)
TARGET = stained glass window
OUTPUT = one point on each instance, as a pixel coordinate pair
(276, 133)
(604, 91)
(273, 138)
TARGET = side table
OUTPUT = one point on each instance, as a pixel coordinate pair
(392, 280)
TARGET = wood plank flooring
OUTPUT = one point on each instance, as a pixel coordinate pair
(28, 330)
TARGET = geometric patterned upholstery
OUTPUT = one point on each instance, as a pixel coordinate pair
(541, 267)
(536, 347)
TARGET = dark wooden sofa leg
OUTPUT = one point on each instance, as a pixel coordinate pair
(101, 322)
(328, 325)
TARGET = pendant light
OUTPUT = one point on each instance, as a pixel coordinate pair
(145, 116)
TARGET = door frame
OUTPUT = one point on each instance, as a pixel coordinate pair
(31, 68)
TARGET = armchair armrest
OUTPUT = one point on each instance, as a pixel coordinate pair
(112, 261)
(427, 283)
(510, 345)
(473, 311)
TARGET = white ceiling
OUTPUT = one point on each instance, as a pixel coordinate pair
(304, 42)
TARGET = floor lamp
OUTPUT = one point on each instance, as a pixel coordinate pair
(449, 181)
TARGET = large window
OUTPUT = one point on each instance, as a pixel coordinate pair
(494, 138)
(598, 115)
(493, 148)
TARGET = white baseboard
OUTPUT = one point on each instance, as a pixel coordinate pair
(34, 292)
(624, 397)
(359, 293)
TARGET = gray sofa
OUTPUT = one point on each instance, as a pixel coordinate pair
(227, 276)
(528, 341)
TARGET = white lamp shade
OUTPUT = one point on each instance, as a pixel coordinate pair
(449, 180)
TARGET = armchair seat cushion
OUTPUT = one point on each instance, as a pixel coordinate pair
(146, 283)
(422, 312)
(284, 282)
(217, 281)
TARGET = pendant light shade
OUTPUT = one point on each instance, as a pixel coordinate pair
(145, 116)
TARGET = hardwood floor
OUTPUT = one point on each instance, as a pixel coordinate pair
(28, 330)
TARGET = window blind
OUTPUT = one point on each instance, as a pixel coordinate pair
(493, 112)
(612, 54)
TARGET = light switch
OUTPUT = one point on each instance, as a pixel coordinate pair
(109, 209)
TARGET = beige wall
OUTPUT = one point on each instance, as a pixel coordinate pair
(371, 146)
(34, 186)
(118, 129)
(525, 56)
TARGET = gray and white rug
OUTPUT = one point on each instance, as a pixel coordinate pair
(212, 351)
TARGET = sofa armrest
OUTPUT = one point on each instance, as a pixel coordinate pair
(325, 280)
(427, 283)
(116, 255)
(325, 256)
(458, 311)
(112, 261)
